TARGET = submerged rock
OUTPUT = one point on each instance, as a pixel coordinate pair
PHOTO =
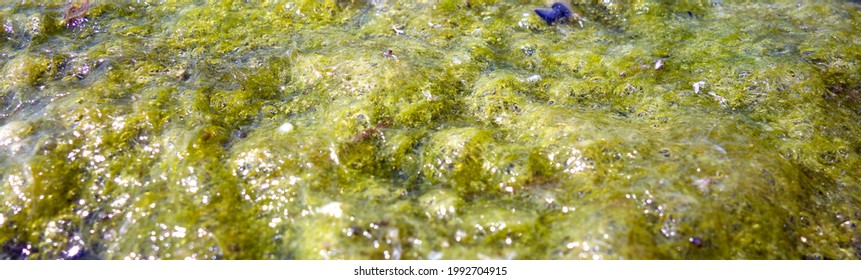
(430, 129)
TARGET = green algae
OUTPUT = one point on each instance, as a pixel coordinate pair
(281, 130)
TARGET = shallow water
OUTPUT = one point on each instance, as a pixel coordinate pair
(287, 130)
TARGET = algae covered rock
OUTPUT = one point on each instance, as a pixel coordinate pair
(430, 130)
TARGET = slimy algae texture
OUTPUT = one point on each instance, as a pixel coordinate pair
(285, 130)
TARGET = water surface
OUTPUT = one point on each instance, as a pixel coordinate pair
(430, 130)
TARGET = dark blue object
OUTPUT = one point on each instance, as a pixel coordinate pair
(556, 13)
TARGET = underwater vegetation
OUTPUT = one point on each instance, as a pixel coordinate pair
(431, 129)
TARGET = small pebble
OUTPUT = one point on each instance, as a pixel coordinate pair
(696, 241)
(557, 12)
(390, 54)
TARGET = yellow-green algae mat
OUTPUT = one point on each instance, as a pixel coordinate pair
(288, 130)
